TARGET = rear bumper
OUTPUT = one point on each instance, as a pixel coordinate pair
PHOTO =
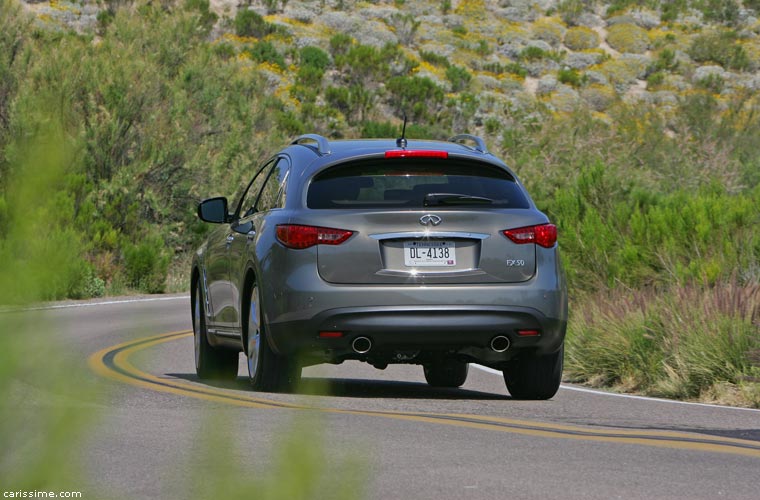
(466, 331)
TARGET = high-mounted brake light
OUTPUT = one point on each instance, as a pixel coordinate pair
(299, 237)
(415, 153)
(544, 235)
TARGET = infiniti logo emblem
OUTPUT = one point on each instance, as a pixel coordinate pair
(430, 219)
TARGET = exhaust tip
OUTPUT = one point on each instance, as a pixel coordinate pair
(500, 343)
(361, 345)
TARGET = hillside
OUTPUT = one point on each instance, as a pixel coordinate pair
(634, 125)
(563, 54)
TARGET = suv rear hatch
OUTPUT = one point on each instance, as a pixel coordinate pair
(423, 221)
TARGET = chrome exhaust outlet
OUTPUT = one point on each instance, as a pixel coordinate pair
(500, 343)
(361, 345)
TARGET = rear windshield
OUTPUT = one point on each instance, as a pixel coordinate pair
(415, 183)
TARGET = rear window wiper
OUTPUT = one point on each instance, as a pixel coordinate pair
(433, 199)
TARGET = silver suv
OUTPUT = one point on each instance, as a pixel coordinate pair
(383, 251)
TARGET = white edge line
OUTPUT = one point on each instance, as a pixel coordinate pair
(628, 396)
(93, 304)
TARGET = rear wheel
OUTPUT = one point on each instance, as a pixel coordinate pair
(210, 363)
(267, 370)
(446, 374)
(535, 378)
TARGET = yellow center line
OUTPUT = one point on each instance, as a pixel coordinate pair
(114, 363)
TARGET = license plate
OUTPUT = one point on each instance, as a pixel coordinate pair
(429, 253)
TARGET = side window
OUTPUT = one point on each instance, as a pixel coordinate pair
(273, 193)
(248, 201)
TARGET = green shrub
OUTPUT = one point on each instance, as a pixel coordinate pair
(263, 51)
(290, 123)
(713, 83)
(363, 64)
(482, 48)
(571, 10)
(146, 264)
(533, 53)
(225, 50)
(620, 6)
(459, 77)
(492, 125)
(309, 77)
(666, 61)
(614, 233)
(670, 10)
(371, 129)
(104, 18)
(655, 79)
(208, 18)
(339, 98)
(512, 68)
(581, 38)
(572, 77)
(314, 57)
(415, 96)
(340, 43)
(249, 23)
(719, 47)
(627, 37)
(88, 285)
(721, 11)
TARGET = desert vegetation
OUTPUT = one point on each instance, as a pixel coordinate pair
(633, 124)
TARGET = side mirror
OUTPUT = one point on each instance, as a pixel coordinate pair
(214, 210)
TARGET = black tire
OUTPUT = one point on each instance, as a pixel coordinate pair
(535, 378)
(451, 373)
(267, 370)
(210, 363)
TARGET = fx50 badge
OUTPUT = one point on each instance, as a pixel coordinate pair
(515, 262)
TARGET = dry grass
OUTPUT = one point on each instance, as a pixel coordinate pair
(687, 342)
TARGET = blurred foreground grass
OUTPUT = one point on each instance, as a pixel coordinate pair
(48, 401)
(298, 466)
(42, 393)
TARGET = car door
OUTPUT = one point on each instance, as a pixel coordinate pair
(216, 272)
(224, 311)
(245, 227)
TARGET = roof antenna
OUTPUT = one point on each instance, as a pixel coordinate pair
(401, 142)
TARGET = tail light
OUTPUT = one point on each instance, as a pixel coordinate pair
(298, 237)
(544, 235)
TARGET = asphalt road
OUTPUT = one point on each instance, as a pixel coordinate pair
(158, 432)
